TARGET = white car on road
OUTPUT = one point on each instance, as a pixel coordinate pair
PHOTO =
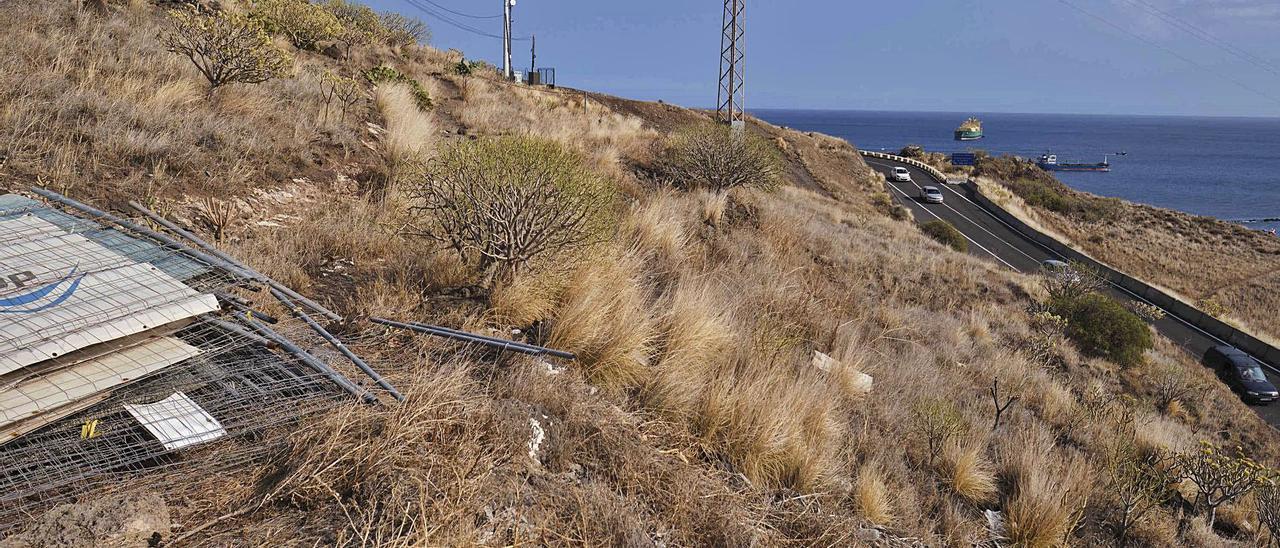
(931, 194)
(901, 175)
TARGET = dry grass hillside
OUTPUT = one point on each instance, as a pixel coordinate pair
(725, 340)
(1226, 269)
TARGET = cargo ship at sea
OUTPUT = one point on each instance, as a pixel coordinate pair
(970, 130)
(1049, 162)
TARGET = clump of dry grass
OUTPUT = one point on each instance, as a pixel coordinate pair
(871, 496)
(968, 472)
(696, 339)
(1050, 492)
(411, 132)
(498, 108)
(605, 321)
(404, 476)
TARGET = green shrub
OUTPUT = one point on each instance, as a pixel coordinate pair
(1041, 189)
(718, 158)
(501, 203)
(225, 48)
(361, 26)
(383, 73)
(303, 23)
(946, 234)
(1103, 327)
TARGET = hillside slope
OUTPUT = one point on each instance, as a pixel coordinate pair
(724, 339)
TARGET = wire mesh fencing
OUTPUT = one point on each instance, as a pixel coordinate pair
(122, 346)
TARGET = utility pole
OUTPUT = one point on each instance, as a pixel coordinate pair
(731, 97)
(507, 70)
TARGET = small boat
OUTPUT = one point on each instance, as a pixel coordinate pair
(1049, 162)
(970, 130)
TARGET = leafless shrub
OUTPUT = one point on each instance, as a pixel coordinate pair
(404, 31)
(1173, 385)
(336, 87)
(216, 215)
(1138, 480)
(226, 48)
(718, 158)
(936, 422)
(1047, 335)
(1147, 311)
(1072, 282)
(1268, 506)
(500, 203)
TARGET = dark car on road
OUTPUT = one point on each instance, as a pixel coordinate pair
(1242, 373)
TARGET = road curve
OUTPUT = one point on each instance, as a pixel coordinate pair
(992, 239)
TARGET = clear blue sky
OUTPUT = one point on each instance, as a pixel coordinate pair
(939, 55)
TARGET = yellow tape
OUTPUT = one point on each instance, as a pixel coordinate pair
(89, 429)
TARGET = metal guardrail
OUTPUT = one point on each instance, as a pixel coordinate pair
(1176, 307)
(932, 171)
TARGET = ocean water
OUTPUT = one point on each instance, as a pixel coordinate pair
(1227, 168)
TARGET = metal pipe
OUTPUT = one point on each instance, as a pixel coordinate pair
(496, 340)
(235, 328)
(332, 340)
(240, 304)
(476, 339)
(312, 361)
(250, 271)
(129, 225)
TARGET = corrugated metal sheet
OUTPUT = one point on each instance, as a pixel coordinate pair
(177, 421)
(62, 292)
(45, 392)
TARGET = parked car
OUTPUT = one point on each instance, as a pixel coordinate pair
(931, 194)
(901, 174)
(1242, 373)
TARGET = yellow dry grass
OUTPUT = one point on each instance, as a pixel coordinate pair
(871, 496)
(411, 133)
(969, 473)
(695, 416)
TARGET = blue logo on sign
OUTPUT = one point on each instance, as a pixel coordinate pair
(10, 305)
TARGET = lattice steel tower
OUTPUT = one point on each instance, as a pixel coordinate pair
(731, 99)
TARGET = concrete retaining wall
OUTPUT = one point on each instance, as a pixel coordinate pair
(1172, 306)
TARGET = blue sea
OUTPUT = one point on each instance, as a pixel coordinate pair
(1227, 168)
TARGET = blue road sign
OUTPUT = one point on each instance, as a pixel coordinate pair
(964, 159)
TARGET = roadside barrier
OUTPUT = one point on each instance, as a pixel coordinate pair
(1171, 305)
(932, 171)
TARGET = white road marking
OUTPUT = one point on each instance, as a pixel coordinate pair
(966, 236)
(1053, 253)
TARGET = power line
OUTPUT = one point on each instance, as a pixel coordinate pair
(1207, 37)
(460, 14)
(461, 26)
(1165, 49)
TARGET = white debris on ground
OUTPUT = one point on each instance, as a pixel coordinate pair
(535, 442)
(995, 525)
(824, 362)
(859, 383)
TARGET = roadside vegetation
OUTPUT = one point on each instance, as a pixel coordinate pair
(946, 234)
(1232, 272)
(767, 354)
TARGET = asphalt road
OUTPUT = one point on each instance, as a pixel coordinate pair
(991, 239)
